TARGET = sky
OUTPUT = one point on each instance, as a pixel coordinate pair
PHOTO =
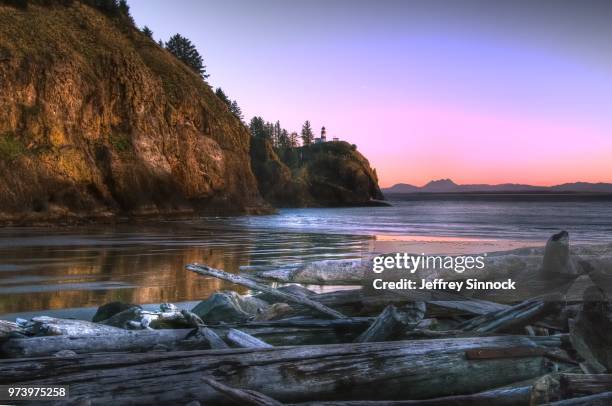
(473, 90)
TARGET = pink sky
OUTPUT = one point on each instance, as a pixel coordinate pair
(479, 92)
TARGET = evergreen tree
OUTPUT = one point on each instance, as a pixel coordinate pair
(307, 134)
(283, 139)
(293, 139)
(277, 134)
(124, 8)
(236, 110)
(221, 95)
(185, 51)
(269, 131)
(160, 43)
(147, 31)
(257, 127)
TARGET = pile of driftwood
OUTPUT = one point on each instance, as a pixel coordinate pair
(289, 345)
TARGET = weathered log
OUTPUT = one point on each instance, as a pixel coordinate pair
(600, 399)
(501, 264)
(347, 324)
(572, 385)
(242, 397)
(283, 296)
(388, 325)
(295, 289)
(296, 331)
(244, 340)
(212, 339)
(45, 325)
(557, 259)
(376, 371)
(514, 317)
(499, 397)
(590, 332)
(356, 302)
(331, 271)
(129, 340)
(8, 328)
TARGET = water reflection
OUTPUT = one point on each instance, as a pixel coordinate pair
(43, 269)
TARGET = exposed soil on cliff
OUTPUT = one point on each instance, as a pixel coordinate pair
(98, 120)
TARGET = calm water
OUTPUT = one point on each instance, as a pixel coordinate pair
(41, 268)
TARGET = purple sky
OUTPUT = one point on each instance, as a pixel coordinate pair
(478, 91)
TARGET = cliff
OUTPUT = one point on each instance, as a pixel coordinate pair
(327, 174)
(97, 120)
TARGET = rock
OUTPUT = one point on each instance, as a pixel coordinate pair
(123, 319)
(229, 307)
(326, 174)
(275, 312)
(108, 310)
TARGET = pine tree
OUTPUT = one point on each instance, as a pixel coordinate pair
(257, 127)
(185, 51)
(221, 95)
(283, 139)
(293, 139)
(147, 31)
(307, 134)
(124, 8)
(269, 131)
(277, 134)
(236, 110)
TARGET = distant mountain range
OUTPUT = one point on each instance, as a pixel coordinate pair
(448, 186)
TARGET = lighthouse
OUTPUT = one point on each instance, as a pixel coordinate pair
(323, 134)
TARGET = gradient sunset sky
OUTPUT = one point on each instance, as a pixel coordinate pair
(477, 91)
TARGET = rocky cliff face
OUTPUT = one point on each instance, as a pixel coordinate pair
(329, 174)
(97, 120)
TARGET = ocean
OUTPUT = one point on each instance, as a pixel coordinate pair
(73, 267)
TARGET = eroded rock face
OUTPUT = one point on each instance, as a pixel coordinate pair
(328, 174)
(97, 120)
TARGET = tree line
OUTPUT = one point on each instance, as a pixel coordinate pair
(184, 50)
(280, 137)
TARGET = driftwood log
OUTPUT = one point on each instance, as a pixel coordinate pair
(45, 325)
(8, 328)
(512, 396)
(388, 325)
(295, 331)
(244, 340)
(282, 296)
(241, 397)
(600, 399)
(376, 371)
(516, 316)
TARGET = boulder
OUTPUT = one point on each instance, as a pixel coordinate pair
(229, 307)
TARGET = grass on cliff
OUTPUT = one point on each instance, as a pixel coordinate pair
(10, 148)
